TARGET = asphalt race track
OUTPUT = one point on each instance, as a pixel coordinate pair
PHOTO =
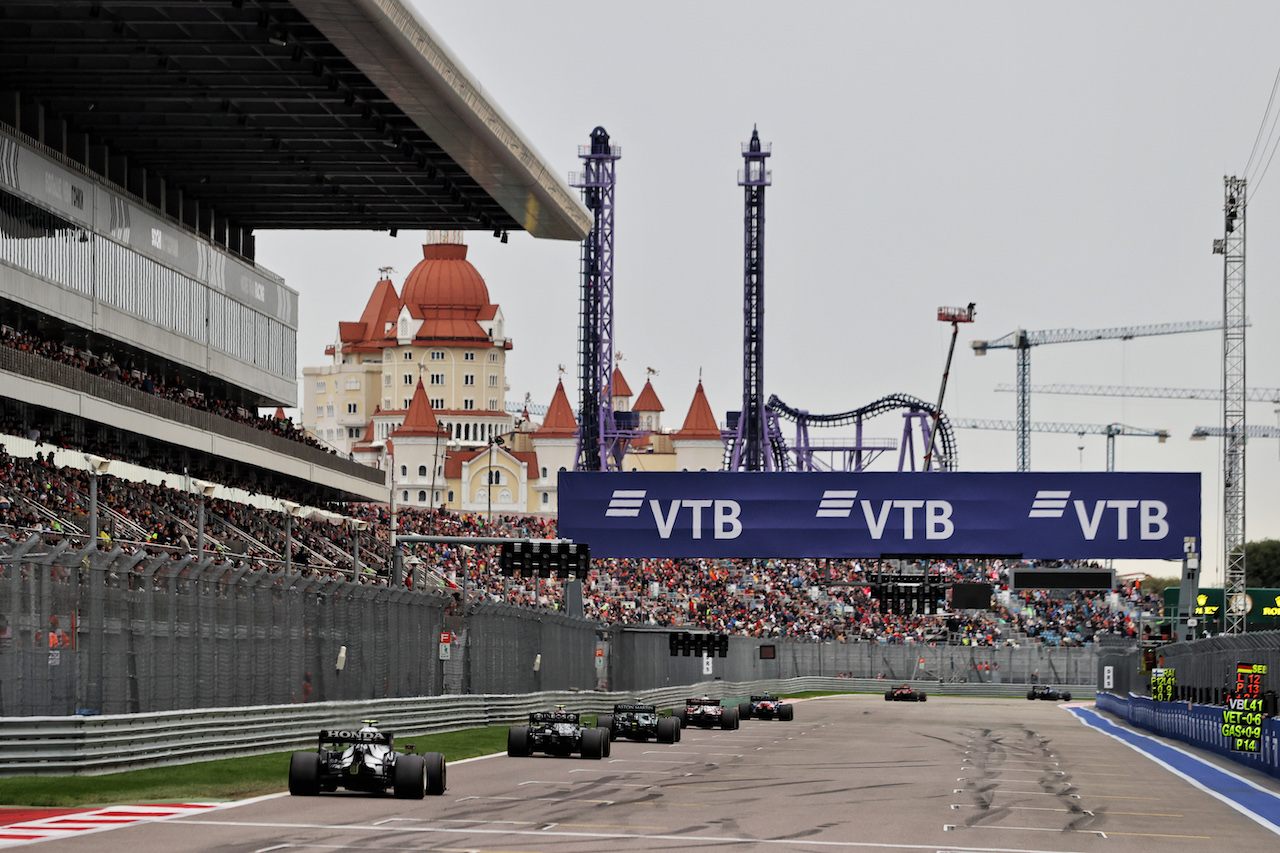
(849, 773)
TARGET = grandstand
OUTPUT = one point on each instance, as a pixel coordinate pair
(142, 149)
(144, 146)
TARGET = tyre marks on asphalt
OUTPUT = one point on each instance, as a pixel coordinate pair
(1005, 777)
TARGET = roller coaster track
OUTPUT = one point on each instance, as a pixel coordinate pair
(945, 444)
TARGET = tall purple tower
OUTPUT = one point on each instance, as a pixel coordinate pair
(600, 446)
(751, 451)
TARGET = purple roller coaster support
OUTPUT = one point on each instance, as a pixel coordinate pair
(600, 445)
(752, 451)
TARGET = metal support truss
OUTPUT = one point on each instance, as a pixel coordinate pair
(600, 448)
(1234, 394)
(751, 450)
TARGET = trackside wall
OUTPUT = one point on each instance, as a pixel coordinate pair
(1197, 725)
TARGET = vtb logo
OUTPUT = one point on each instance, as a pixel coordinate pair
(935, 515)
(724, 515)
(1151, 517)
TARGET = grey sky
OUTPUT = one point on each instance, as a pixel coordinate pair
(1058, 164)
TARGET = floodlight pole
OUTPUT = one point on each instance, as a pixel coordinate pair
(956, 316)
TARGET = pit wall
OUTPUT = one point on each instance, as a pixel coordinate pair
(1199, 726)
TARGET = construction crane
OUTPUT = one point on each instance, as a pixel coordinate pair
(1200, 433)
(1109, 430)
(1022, 341)
(1253, 395)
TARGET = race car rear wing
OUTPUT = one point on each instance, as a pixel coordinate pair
(625, 708)
(712, 703)
(765, 698)
(337, 736)
(554, 717)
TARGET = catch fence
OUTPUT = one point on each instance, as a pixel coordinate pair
(87, 631)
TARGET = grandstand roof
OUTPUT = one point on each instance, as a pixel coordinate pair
(300, 114)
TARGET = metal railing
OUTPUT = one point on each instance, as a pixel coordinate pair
(46, 370)
(111, 743)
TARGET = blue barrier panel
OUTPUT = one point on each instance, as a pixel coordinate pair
(1028, 515)
(1197, 725)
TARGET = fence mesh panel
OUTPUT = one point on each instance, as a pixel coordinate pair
(112, 633)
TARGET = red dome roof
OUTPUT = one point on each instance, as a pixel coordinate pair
(444, 279)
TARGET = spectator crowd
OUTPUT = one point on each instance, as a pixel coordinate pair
(803, 599)
(172, 388)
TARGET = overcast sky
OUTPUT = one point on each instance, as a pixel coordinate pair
(1060, 165)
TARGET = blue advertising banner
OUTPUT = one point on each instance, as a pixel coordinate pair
(1052, 516)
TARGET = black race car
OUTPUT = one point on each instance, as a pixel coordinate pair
(363, 760)
(638, 721)
(766, 707)
(905, 693)
(706, 713)
(557, 732)
(1044, 691)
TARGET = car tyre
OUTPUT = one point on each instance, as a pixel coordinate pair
(605, 721)
(680, 715)
(410, 777)
(888, 696)
(436, 773)
(744, 711)
(608, 742)
(518, 741)
(786, 713)
(304, 774)
(592, 743)
(668, 730)
(729, 719)
(1031, 694)
(1066, 697)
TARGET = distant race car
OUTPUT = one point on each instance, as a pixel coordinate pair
(364, 760)
(766, 707)
(905, 693)
(706, 713)
(557, 732)
(638, 721)
(1044, 691)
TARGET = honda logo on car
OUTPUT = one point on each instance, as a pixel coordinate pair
(1052, 516)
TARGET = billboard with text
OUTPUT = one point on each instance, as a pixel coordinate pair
(1052, 516)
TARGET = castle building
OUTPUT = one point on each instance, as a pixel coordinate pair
(441, 328)
(417, 388)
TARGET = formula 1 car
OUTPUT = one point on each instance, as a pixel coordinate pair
(706, 713)
(638, 721)
(766, 707)
(1044, 691)
(364, 760)
(557, 732)
(905, 693)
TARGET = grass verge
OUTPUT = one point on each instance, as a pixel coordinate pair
(225, 779)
